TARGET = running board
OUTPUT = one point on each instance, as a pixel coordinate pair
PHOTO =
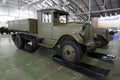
(86, 69)
(105, 57)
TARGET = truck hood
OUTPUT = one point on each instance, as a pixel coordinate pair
(74, 28)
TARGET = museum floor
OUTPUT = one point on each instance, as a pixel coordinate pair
(16, 64)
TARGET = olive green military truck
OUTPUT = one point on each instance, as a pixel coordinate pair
(52, 30)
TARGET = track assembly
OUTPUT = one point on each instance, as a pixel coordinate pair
(100, 56)
(87, 69)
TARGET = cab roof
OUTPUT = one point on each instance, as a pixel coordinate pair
(53, 10)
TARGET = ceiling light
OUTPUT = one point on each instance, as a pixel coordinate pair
(3, 1)
(66, 3)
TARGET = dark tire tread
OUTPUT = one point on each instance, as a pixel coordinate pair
(77, 48)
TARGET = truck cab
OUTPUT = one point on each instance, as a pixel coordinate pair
(53, 25)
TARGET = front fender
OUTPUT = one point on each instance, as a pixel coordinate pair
(75, 36)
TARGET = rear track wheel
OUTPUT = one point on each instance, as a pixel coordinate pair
(19, 42)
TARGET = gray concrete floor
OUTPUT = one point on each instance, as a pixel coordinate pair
(16, 64)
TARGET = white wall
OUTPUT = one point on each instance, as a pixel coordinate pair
(15, 9)
(109, 22)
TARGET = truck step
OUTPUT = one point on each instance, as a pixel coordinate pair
(31, 37)
(100, 56)
(86, 69)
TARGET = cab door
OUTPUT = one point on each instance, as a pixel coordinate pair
(45, 26)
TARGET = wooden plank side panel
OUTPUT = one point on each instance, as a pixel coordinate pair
(33, 26)
(24, 25)
(11, 25)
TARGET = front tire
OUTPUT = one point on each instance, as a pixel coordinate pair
(71, 51)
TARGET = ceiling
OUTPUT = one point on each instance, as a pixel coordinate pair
(79, 9)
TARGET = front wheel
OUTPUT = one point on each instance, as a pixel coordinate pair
(71, 51)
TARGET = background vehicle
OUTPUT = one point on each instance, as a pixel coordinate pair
(4, 30)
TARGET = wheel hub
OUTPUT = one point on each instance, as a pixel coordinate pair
(68, 53)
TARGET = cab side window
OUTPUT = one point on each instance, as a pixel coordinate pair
(62, 19)
(46, 18)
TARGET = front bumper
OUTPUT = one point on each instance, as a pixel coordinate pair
(90, 49)
(91, 44)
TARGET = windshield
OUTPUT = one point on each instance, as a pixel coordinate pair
(60, 18)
